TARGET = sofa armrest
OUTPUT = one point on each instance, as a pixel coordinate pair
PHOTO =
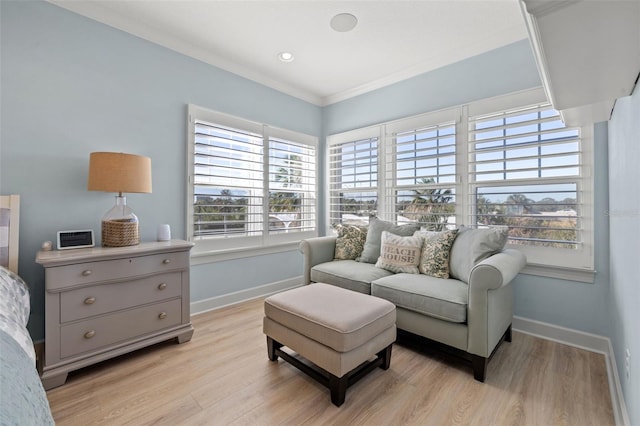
(490, 309)
(314, 252)
(497, 270)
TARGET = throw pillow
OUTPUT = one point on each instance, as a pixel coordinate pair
(350, 241)
(371, 250)
(473, 246)
(399, 254)
(434, 257)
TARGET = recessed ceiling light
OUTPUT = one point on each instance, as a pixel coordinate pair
(285, 56)
(344, 22)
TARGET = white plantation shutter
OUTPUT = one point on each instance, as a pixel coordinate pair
(492, 162)
(292, 186)
(421, 175)
(353, 179)
(228, 180)
(526, 167)
(250, 185)
(526, 143)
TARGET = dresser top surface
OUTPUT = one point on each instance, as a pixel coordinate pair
(64, 257)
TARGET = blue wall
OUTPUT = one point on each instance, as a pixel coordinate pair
(624, 216)
(566, 303)
(494, 73)
(71, 86)
(571, 304)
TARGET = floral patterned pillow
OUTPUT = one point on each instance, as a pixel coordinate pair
(350, 241)
(436, 246)
(399, 254)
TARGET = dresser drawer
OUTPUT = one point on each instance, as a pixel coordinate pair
(95, 333)
(60, 277)
(103, 298)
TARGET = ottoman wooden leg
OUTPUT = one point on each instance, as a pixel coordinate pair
(338, 387)
(272, 345)
(385, 355)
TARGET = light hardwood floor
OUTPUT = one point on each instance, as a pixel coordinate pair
(223, 376)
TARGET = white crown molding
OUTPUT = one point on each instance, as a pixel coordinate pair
(437, 61)
(99, 13)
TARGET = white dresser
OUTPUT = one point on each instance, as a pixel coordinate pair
(106, 301)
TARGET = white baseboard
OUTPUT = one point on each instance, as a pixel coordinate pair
(567, 336)
(617, 398)
(587, 341)
(218, 302)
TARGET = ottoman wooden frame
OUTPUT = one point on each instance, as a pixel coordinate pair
(343, 334)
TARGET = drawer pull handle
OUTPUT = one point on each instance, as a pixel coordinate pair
(162, 286)
(166, 261)
(86, 272)
(90, 300)
(89, 334)
(162, 315)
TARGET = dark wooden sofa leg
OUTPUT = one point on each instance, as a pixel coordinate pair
(479, 364)
(272, 345)
(507, 335)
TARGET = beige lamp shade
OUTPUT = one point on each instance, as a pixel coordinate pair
(119, 172)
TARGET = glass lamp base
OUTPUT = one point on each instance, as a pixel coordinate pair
(120, 226)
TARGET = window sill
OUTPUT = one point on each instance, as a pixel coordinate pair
(211, 256)
(569, 274)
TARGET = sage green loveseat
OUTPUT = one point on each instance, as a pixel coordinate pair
(471, 311)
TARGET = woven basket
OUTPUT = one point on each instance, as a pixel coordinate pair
(120, 233)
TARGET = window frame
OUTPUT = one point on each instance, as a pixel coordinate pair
(353, 136)
(223, 247)
(440, 119)
(581, 259)
(551, 262)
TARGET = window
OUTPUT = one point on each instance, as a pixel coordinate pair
(508, 161)
(421, 171)
(228, 179)
(292, 187)
(353, 177)
(250, 185)
(526, 171)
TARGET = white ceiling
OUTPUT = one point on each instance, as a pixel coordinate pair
(393, 40)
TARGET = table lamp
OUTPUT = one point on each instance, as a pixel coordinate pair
(121, 173)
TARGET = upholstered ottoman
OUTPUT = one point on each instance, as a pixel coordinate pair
(344, 334)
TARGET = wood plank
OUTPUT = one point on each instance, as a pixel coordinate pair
(223, 376)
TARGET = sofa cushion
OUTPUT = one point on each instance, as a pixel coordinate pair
(399, 254)
(445, 299)
(472, 246)
(348, 274)
(350, 241)
(434, 257)
(371, 250)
